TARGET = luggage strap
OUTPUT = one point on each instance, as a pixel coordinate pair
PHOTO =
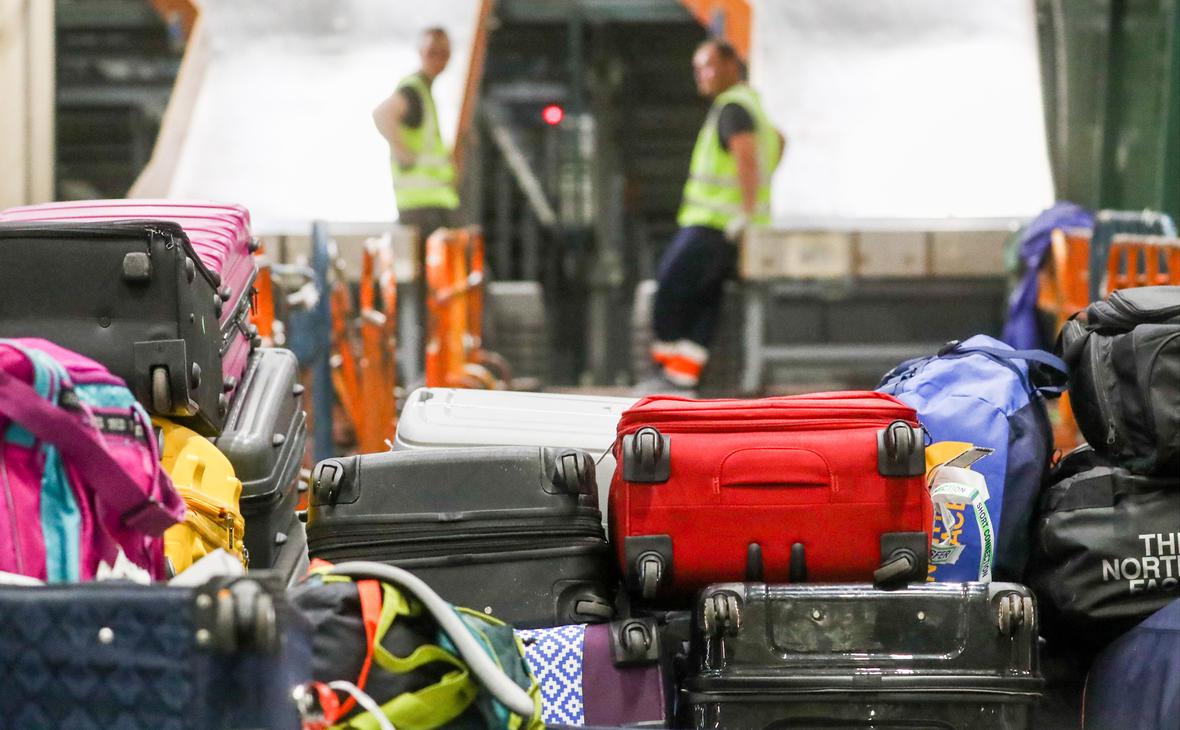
(433, 706)
(1051, 377)
(88, 455)
(956, 485)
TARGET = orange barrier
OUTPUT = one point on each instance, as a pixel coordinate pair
(364, 343)
(1064, 290)
(1137, 260)
(455, 279)
(734, 17)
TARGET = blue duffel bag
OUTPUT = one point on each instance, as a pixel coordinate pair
(1135, 682)
(982, 392)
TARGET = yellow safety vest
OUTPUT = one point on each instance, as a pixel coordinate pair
(712, 195)
(430, 181)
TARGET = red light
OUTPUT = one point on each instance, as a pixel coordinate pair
(553, 114)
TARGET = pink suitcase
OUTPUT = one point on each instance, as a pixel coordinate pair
(220, 235)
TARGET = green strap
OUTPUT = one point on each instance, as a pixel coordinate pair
(430, 707)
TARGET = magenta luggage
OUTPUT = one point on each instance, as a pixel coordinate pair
(84, 494)
(219, 234)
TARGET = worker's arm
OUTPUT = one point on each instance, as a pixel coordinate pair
(782, 147)
(744, 148)
(388, 117)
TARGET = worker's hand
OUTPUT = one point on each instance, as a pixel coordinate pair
(735, 230)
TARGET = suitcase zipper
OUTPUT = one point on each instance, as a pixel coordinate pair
(433, 532)
(390, 550)
(1104, 409)
(10, 503)
(203, 511)
(152, 228)
(762, 425)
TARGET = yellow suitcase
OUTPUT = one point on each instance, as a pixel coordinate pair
(205, 478)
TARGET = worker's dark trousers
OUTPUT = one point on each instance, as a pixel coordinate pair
(691, 278)
(427, 221)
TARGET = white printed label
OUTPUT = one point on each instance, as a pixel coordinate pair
(1158, 569)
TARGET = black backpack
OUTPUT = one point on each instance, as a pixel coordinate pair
(1124, 363)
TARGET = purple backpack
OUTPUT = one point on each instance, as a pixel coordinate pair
(82, 493)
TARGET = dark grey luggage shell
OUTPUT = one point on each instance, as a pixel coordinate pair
(265, 438)
(938, 655)
(514, 531)
(132, 295)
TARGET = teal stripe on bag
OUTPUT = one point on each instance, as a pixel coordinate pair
(61, 519)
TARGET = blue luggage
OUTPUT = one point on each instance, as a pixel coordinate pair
(982, 392)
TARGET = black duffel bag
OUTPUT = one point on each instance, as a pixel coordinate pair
(1106, 548)
(1124, 363)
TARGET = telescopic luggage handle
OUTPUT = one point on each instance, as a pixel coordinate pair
(498, 683)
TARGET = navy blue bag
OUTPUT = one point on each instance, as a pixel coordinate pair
(110, 654)
(984, 393)
(1135, 682)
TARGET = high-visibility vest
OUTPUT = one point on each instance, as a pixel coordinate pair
(712, 195)
(430, 181)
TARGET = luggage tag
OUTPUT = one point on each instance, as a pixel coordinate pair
(952, 482)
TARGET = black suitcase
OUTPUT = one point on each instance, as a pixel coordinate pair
(132, 295)
(265, 438)
(513, 531)
(111, 654)
(937, 655)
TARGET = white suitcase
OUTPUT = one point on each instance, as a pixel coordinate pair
(445, 417)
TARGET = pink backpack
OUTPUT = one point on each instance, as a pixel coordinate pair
(82, 494)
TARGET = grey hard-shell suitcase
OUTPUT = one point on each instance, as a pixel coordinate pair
(514, 531)
(265, 438)
(938, 655)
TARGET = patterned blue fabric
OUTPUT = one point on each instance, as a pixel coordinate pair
(555, 656)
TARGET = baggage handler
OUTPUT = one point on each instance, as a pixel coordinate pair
(423, 172)
(728, 190)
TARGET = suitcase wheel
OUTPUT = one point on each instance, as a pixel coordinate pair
(650, 567)
(721, 614)
(244, 619)
(161, 391)
(895, 571)
(593, 609)
(1013, 611)
(634, 641)
(901, 450)
(647, 456)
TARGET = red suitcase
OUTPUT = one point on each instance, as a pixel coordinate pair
(828, 487)
(219, 233)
